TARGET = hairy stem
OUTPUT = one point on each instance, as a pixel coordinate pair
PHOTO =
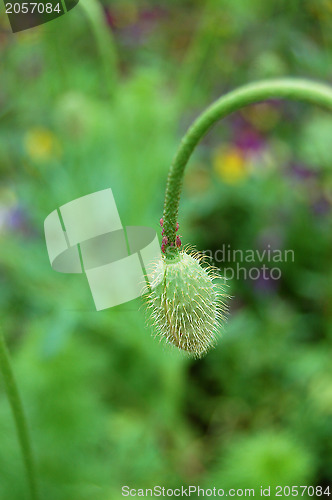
(290, 88)
(19, 417)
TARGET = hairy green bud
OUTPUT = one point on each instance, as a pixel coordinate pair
(186, 302)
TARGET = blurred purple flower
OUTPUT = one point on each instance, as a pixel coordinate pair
(245, 137)
(134, 25)
(265, 283)
(321, 206)
(249, 141)
(110, 17)
(14, 219)
(301, 172)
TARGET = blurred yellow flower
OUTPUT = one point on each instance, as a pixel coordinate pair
(230, 165)
(41, 144)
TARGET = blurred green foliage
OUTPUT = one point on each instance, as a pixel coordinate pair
(100, 98)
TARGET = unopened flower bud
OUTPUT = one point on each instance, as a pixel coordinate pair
(186, 303)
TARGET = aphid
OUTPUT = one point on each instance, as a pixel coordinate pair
(164, 243)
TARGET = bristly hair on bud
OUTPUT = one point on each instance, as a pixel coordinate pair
(187, 302)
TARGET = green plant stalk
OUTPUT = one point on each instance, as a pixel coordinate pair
(104, 42)
(201, 49)
(19, 417)
(290, 88)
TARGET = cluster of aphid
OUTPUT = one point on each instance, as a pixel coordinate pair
(164, 242)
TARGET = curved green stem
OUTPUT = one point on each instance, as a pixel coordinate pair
(291, 88)
(19, 417)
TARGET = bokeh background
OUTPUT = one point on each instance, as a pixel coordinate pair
(100, 98)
